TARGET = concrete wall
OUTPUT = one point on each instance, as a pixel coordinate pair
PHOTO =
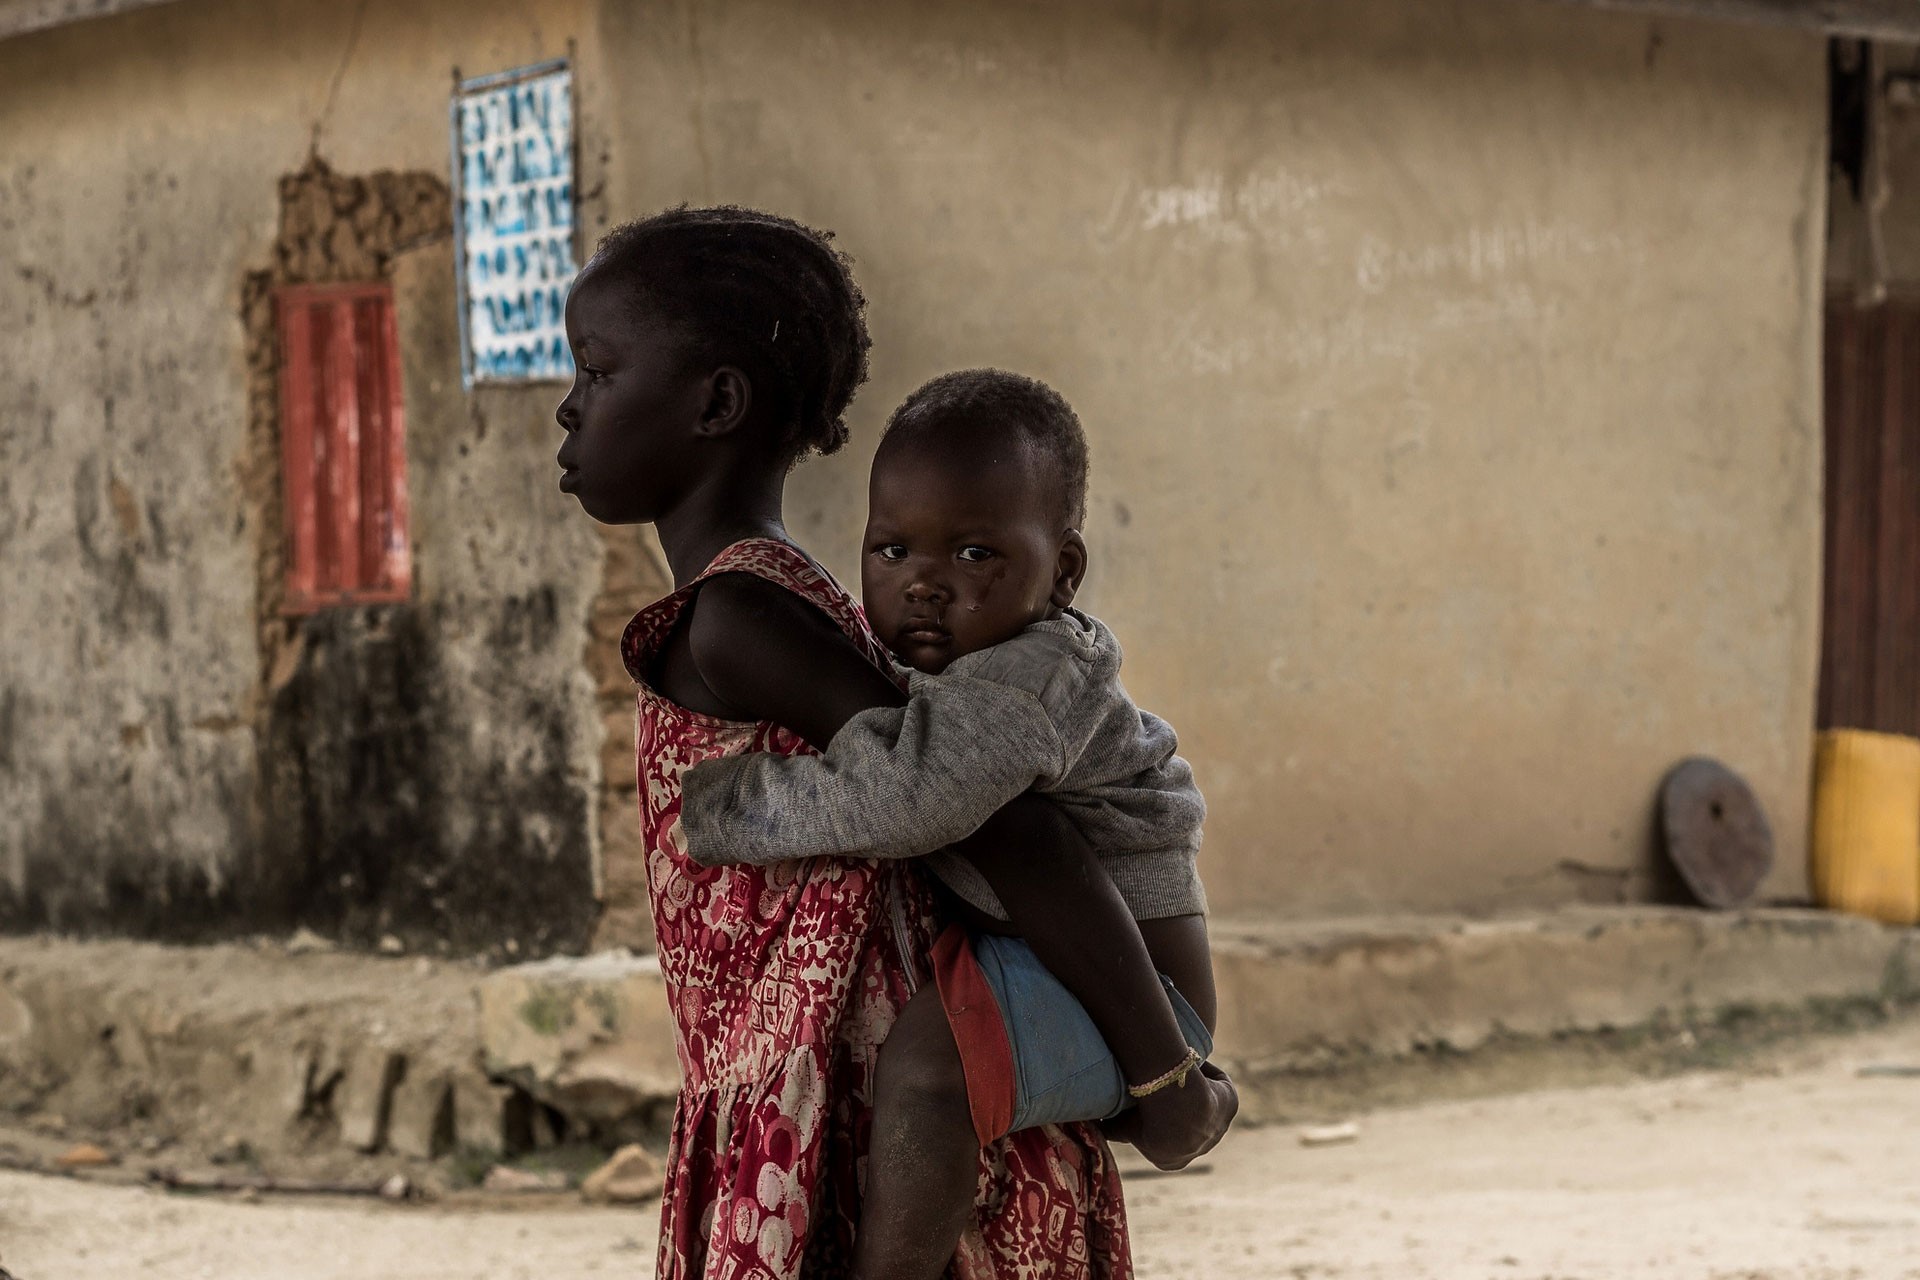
(1451, 372)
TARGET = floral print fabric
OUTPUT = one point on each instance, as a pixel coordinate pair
(783, 982)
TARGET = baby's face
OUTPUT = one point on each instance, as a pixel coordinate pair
(961, 553)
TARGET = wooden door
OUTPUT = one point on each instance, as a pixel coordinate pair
(1870, 656)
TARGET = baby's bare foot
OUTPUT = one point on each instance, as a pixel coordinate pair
(1176, 1126)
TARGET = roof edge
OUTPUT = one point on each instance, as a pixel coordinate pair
(1878, 19)
(1875, 19)
(20, 17)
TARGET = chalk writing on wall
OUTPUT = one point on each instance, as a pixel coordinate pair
(513, 175)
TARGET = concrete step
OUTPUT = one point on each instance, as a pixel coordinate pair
(1309, 995)
(276, 1047)
(1314, 998)
(401, 1053)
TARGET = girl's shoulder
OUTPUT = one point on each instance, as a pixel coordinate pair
(772, 561)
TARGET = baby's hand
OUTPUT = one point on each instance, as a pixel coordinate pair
(1176, 1126)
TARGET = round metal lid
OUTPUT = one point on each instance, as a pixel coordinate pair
(1715, 832)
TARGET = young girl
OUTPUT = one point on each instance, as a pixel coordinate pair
(715, 348)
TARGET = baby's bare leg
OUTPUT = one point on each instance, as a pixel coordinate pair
(923, 1158)
(1063, 902)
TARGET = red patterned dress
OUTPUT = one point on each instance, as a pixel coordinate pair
(784, 981)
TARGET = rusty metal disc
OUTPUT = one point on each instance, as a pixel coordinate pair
(1715, 831)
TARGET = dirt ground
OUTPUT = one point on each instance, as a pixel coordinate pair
(1794, 1168)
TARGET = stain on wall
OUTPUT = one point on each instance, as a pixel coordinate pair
(125, 622)
(390, 821)
(390, 815)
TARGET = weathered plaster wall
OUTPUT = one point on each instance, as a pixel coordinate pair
(634, 573)
(178, 758)
(1451, 370)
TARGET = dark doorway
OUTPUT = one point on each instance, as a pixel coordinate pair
(1870, 657)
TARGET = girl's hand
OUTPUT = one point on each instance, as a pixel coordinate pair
(1177, 1126)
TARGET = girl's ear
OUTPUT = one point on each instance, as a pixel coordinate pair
(729, 399)
(1070, 570)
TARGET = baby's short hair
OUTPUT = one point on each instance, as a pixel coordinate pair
(981, 405)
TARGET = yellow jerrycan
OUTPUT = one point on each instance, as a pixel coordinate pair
(1866, 824)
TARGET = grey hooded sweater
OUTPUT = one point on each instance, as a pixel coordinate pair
(1044, 710)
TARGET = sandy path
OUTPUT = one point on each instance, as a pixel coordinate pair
(1810, 1174)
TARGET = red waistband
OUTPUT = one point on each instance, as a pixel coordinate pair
(979, 1032)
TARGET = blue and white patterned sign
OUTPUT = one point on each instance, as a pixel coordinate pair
(513, 137)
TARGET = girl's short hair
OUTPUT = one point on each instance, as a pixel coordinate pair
(759, 291)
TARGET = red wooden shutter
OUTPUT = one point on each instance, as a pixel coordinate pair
(342, 446)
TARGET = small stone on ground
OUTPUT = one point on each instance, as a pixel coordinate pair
(84, 1156)
(630, 1177)
(510, 1181)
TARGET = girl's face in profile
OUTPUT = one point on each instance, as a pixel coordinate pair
(632, 414)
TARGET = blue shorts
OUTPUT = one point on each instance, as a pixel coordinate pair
(1032, 1055)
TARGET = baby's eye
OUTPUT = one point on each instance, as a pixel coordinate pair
(976, 555)
(593, 374)
(892, 552)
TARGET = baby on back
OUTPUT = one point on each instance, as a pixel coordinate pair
(1013, 689)
(1054, 810)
